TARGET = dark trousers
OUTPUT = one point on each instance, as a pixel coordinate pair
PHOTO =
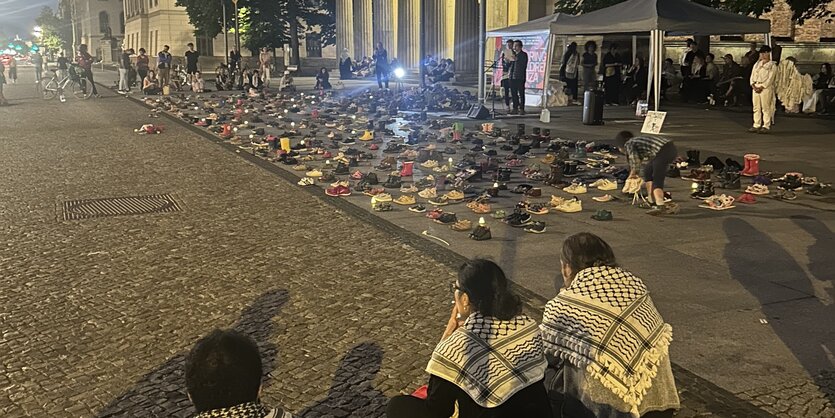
(656, 170)
(383, 78)
(88, 75)
(517, 90)
(611, 89)
(572, 85)
(143, 72)
(407, 406)
(506, 89)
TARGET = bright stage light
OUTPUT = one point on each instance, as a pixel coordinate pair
(399, 73)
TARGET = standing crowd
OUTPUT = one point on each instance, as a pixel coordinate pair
(493, 360)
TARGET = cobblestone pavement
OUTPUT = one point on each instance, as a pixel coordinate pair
(96, 315)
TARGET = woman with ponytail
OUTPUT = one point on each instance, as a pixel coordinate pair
(490, 360)
(607, 346)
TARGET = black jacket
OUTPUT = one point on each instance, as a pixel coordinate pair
(530, 402)
(519, 70)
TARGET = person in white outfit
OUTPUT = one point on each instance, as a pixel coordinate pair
(762, 84)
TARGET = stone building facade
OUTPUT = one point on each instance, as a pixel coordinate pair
(99, 24)
(451, 28)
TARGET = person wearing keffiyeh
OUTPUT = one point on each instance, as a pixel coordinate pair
(491, 364)
(223, 377)
(607, 345)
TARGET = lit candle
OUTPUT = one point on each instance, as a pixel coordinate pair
(481, 221)
(694, 186)
(450, 161)
(353, 116)
(328, 162)
(496, 185)
(293, 124)
(286, 111)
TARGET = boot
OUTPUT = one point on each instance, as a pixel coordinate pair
(227, 131)
(752, 165)
(406, 171)
(569, 169)
(353, 162)
(579, 150)
(520, 129)
(730, 180)
(714, 162)
(693, 158)
(393, 182)
(546, 134)
(555, 176)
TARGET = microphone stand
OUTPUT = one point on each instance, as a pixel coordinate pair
(493, 65)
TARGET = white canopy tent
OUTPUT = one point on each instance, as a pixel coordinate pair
(542, 26)
(659, 18)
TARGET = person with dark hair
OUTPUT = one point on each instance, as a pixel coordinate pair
(687, 57)
(822, 85)
(518, 78)
(85, 61)
(569, 69)
(762, 84)
(124, 68)
(730, 85)
(323, 79)
(636, 80)
(381, 65)
(192, 58)
(223, 377)
(610, 69)
(234, 60)
(693, 84)
(487, 325)
(589, 64)
(508, 57)
(589, 330)
(164, 66)
(650, 156)
(752, 55)
(142, 64)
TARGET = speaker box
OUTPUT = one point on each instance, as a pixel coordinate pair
(478, 112)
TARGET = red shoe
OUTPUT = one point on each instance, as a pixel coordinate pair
(747, 198)
(338, 191)
(373, 147)
(327, 154)
(357, 175)
(434, 213)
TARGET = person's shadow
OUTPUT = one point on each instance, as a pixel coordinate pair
(162, 392)
(352, 393)
(764, 268)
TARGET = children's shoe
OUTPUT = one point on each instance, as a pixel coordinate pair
(536, 228)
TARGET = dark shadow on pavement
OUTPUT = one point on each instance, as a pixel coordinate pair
(763, 267)
(352, 393)
(162, 392)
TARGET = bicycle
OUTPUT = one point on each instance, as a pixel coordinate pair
(73, 81)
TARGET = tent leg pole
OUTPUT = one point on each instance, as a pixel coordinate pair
(651, 63)
(659, 53)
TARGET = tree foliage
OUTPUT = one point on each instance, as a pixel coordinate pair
(56, 32)
(263, 22)
(802, 9)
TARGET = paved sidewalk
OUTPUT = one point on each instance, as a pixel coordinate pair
(246, 242)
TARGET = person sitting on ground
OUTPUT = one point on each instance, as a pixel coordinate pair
(590, 330)
(693, 86)
(447, 72)
(820, 83)
(486, 327)
(729, 88)
(224, 375)
(286, 82)
(150, 84)
(198, 85)
(323, 79)
(669, 76)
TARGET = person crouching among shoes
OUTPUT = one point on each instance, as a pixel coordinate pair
(652, 155)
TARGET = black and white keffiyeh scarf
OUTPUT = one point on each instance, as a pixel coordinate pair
(606, 324)
(490, 359)
(245, 410)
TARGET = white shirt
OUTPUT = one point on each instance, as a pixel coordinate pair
(763, 74)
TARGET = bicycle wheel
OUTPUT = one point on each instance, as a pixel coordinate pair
(49, 88)
(79, 91)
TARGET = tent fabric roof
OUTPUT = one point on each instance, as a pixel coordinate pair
(676, 17)
(532, 27)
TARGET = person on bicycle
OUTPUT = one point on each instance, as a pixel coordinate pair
(85, 61)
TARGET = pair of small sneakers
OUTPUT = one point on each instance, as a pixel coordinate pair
(757, 189)
(572, 205)
(405, 200)
(576, 188)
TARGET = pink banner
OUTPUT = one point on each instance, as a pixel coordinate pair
(537, 48)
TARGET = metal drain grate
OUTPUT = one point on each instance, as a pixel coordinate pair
(119, 206)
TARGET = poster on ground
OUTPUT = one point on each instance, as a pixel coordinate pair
(537, 48)
(653, 122)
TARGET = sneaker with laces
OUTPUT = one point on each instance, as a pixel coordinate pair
(518, 219)
(439, 201)
(405, 200)
(338, 191)
(537, 209)
(417, 208)
(462, 225)
(576, 188)
(447, 218)
(481, 233)
(428, 193)
(605, 185)
(536, 228)
(306, 181)
(571, 206)
(454, 195)
(408, 189)
(315, 173)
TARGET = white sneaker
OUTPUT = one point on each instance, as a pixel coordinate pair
(605, 185)
(428, 193)
(571, 206)
(306, 181)
(576, 188)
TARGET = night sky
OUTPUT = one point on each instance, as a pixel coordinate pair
(18, 16)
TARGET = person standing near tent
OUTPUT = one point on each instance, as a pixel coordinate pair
(687, 58)
(762, 84)
(518, 78)
(508, 57)
(610, 68)
(589, 64)
(569, 69)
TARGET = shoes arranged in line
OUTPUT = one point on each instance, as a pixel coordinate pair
(576, 188)
(605, 185)
(757, 189)
(481, 233)
(428, 193)
(338, 191)
(417, 208)
(462, 225)
(405, 200)
(535, 228)
(604, 198)
(306, 181)
(570, 206)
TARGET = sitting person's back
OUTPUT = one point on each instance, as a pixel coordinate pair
(223, 377)
(602, 304)
(489, 362)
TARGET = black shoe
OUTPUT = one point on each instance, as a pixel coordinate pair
(371, 178)
(341, 168)
(393, 182)
(447, 218)
(704, 191)
(518, 220)
(536, 228)
(481, 233)
(693, 158)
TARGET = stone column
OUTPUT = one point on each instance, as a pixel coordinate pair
(345, 28)
(385, 15)
(435, 28)
(408, 33)
(362, 31)
(466, 40)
